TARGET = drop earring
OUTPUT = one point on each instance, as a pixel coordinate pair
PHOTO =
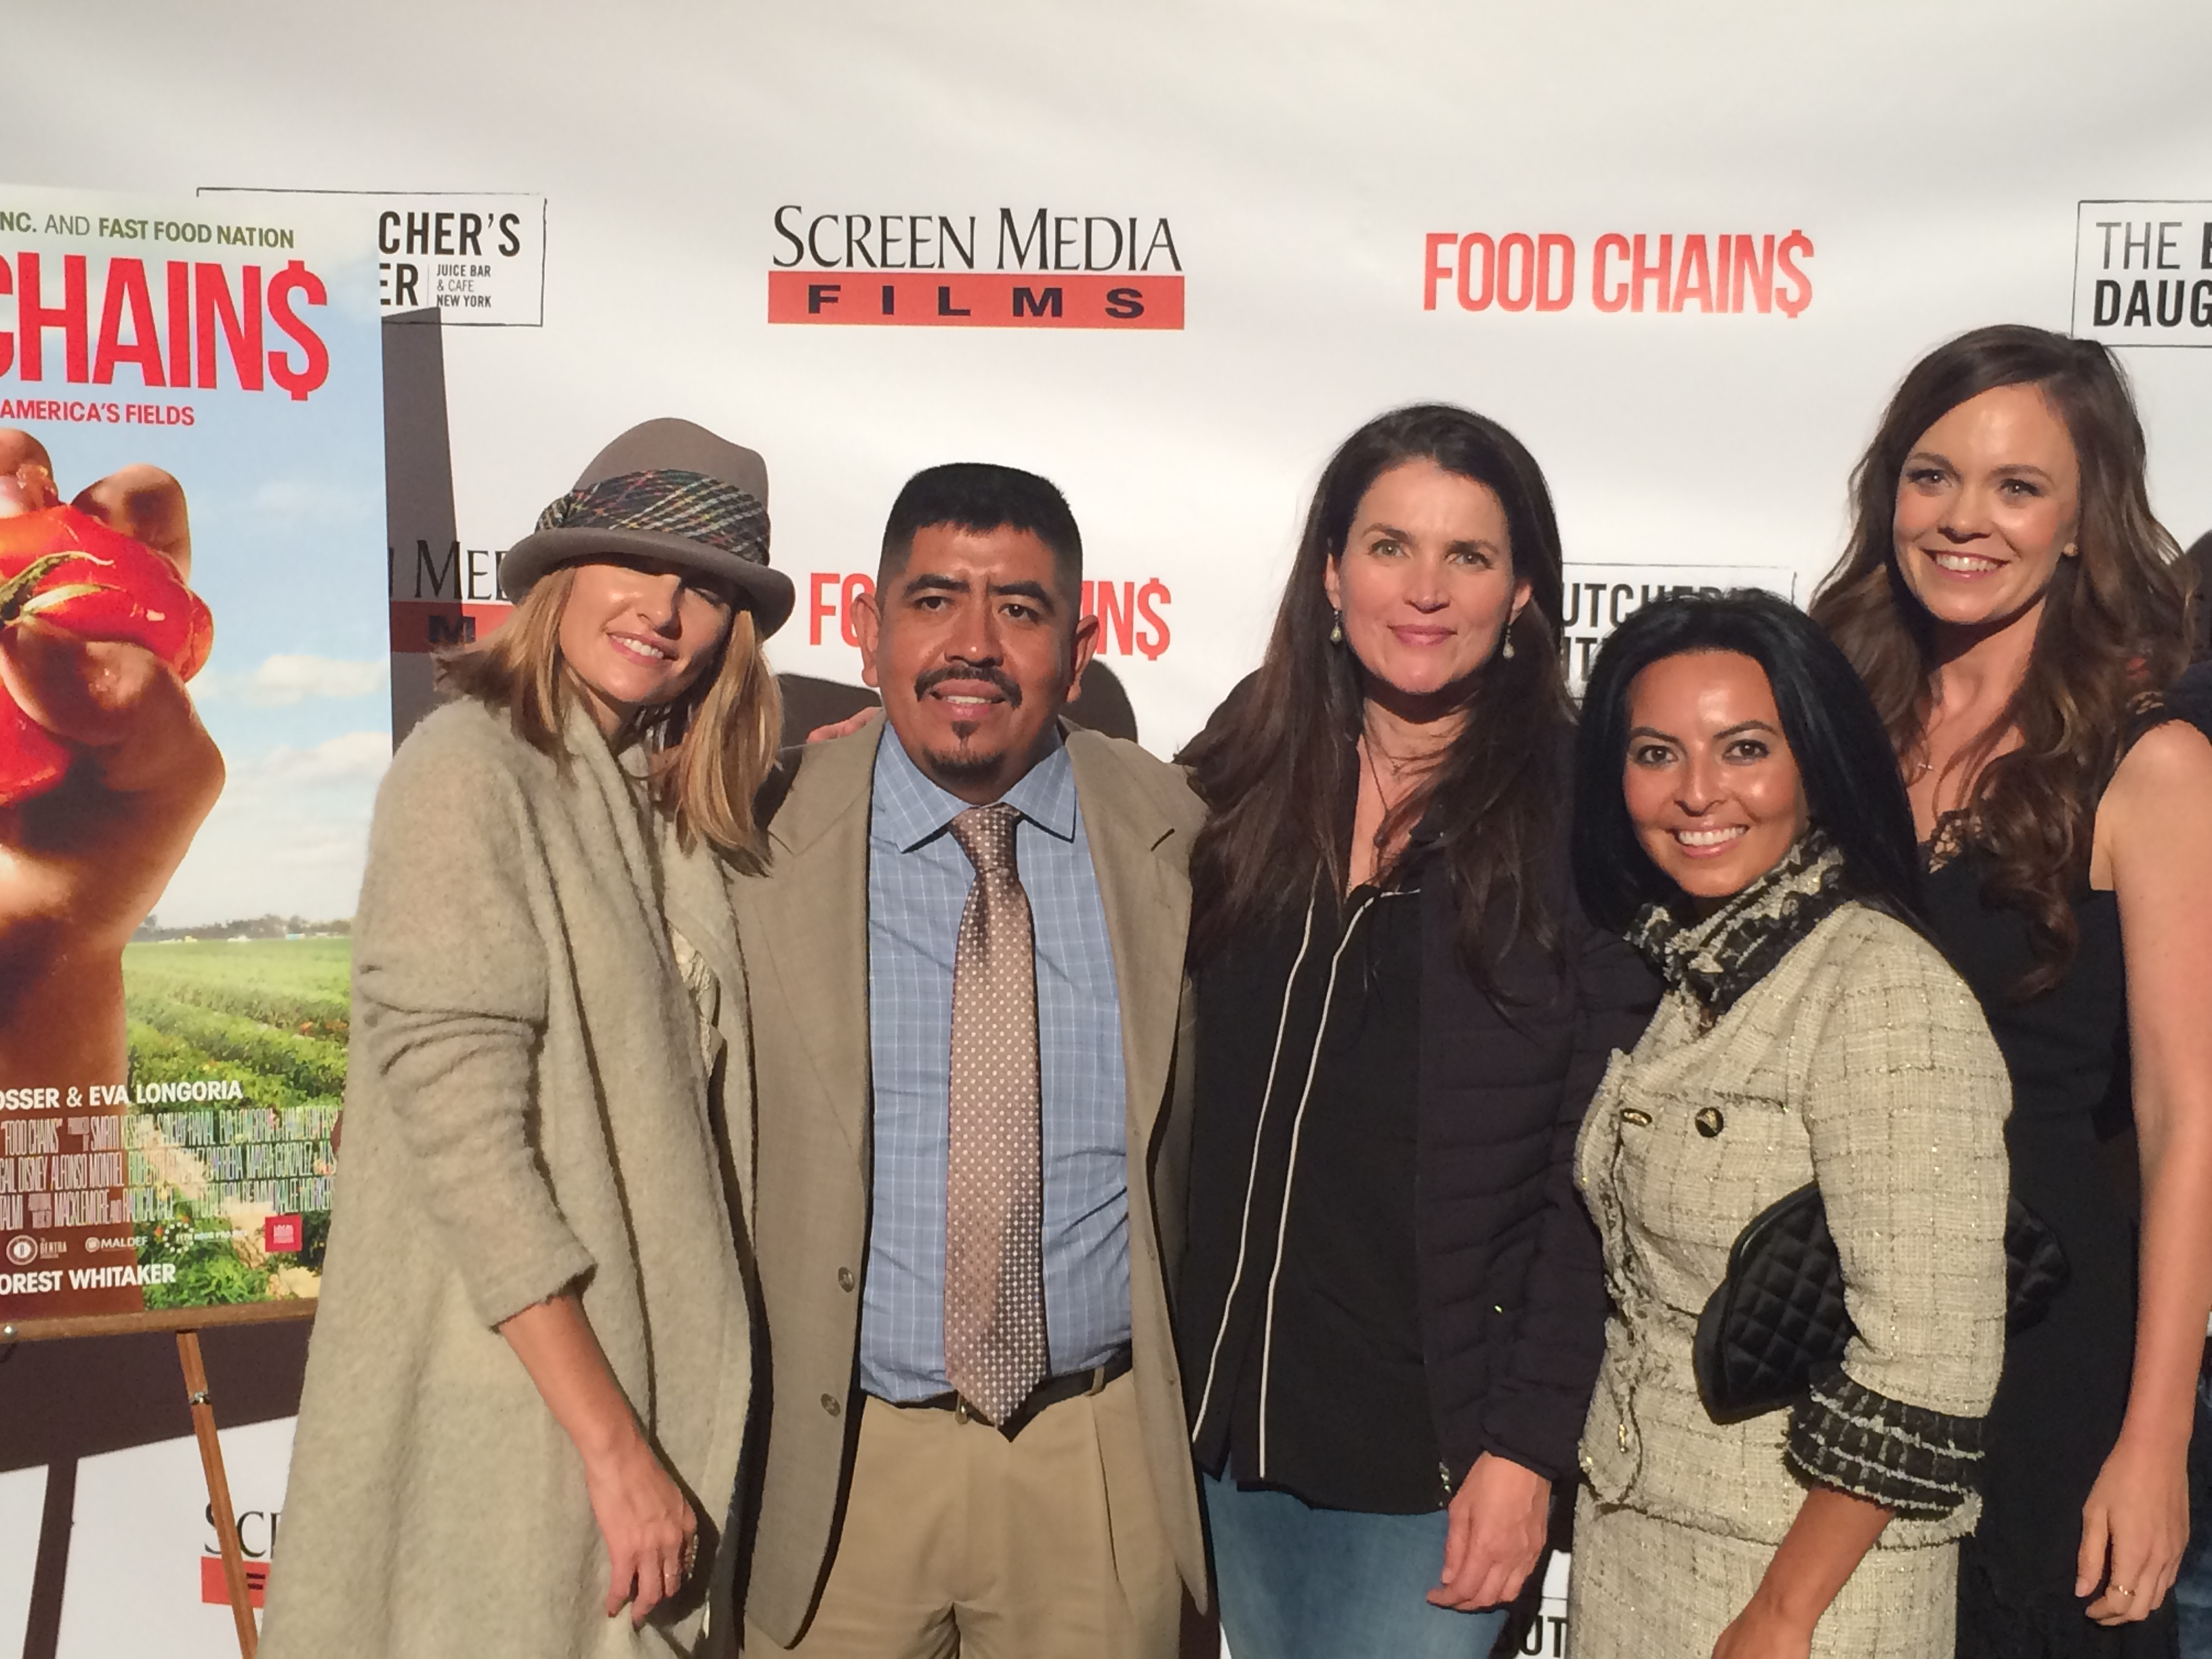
(1506, 651)
(1336, 628)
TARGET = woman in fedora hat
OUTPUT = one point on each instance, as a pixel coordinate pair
(530, 1375)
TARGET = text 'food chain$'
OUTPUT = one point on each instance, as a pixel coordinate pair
(201, 322)
(1131, 615)
(1665, 273)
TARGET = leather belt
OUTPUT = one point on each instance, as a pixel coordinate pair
(1047, 1394)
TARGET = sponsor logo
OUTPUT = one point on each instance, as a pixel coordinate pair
(1598, 598)
(110, 1244)
(1664, 271)
(22, 1249)
(421, 627)
(1133, 618)
(478, 257)
(282, 1235)
(257, 1541)
(1024, 269)
(443, 597)
(215, 1590)
(2143, 273)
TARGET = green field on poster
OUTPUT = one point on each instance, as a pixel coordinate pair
(269, 1016)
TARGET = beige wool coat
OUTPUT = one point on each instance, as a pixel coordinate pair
(528, 1110)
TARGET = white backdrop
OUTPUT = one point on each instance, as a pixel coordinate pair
(1934, 157)
(1937, 160)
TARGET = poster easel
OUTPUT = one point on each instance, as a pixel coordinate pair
(187, 1323)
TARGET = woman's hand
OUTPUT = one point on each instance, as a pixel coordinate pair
(1497, 1532)
(1761, 1632)
(642, 1517)
(2134, 1528)
(645, 1523)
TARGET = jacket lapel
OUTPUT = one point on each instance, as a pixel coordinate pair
(1146, 897)
(812, 910)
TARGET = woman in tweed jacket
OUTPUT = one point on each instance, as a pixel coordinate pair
(1743, 821)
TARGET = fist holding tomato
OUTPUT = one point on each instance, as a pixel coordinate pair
(105, 772)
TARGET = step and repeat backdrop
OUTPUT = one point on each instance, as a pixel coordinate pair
(1169, 256)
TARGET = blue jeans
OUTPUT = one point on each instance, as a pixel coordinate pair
(1298, 1582)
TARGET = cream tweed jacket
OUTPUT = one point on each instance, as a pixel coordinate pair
(1861, 1060)
(530, 1108)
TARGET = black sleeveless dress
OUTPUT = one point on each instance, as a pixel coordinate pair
(2065, 1384)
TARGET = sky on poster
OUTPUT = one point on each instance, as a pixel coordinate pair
(286, 502)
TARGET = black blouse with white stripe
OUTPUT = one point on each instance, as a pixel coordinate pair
(1299, 1309)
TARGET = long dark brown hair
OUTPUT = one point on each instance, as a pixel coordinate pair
(1277, 764)
(2112, 629)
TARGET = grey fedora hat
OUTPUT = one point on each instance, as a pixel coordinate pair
(667, 489)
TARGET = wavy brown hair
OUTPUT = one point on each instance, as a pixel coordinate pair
(1277, 762)
(711, 749)
(2112, 631)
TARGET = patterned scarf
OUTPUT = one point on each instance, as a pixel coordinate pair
(1719, 958)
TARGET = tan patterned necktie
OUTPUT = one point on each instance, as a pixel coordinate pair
(994, 1338)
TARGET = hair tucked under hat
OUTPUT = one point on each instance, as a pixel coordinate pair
(665, 492)
(668, 490)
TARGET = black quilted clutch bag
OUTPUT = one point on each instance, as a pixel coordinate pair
(1779, 1315)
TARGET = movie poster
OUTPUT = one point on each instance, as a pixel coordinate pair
(193, 719)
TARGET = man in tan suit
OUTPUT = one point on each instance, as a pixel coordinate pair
(969, 1016)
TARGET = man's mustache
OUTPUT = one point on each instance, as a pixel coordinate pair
(998, 678)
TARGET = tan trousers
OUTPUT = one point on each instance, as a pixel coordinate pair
(957, 1540)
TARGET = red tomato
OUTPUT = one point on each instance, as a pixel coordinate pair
(72, 571)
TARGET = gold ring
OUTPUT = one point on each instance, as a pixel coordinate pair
(2117, 1590)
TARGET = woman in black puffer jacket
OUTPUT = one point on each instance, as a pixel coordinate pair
(1392, 1308)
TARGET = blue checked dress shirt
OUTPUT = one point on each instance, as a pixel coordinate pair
(918, 883)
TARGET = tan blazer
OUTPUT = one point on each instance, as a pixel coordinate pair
(805, 933)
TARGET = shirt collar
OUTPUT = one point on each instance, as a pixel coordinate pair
(910, 808)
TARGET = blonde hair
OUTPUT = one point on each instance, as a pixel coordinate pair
(711, 749)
